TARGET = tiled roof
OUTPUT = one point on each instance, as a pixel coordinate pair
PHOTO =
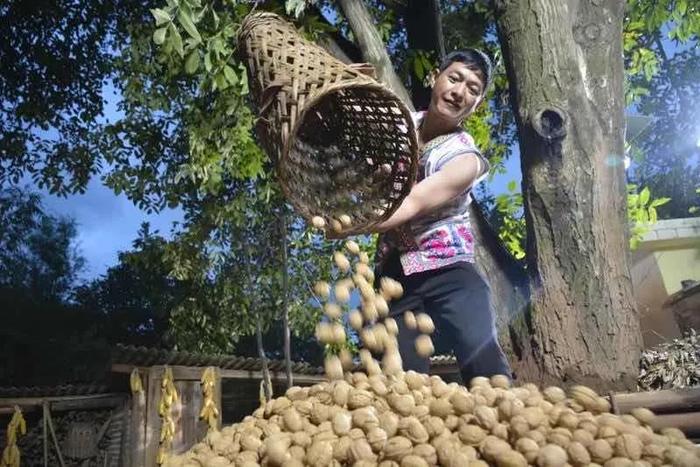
(144, 356)
(53, 391)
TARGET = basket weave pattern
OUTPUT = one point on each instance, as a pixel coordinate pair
(343, 143)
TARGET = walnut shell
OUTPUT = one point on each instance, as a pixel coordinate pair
(644, 415)
(551, 455)
(600, 451)
(361, 450)
(629, 446)
(359, 398)
(377, 438)
(320, 453)
(403, 404)
(427, 452)
(397, 447)
(510, 458)
(528, 448)
(389, 422)
(471, 435)
(492, 446)
(412, 429)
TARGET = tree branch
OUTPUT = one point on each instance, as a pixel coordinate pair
(373, 49)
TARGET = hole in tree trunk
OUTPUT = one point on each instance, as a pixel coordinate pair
(550, 124)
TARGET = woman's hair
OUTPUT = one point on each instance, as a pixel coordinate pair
(475, 60)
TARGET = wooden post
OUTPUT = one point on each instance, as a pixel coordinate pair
(152, 427)
(217, 396)
(44, 426)
(47, 415)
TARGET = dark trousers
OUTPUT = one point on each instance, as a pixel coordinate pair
(457, 298)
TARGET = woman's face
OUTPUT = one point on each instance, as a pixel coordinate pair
(456, 93)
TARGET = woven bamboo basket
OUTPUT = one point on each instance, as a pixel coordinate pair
(343, 144)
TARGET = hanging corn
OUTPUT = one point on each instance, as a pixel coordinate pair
(209, 412)
(135, 382)
(11, 455)
(167, 429)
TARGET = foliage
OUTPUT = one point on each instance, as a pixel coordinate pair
(37, 250)
(512, 229)
(641, 212)
(663, 80)
(42, 326)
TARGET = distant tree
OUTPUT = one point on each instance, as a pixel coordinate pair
(42, 326)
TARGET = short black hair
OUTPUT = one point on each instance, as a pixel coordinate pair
(475, 59)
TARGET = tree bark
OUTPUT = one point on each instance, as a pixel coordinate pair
(509, 292)
(565, 69)
(373, 50)
(285, 299)
(424, 31)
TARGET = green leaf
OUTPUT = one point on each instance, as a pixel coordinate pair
(185, 18)
(159, 35)
(418, 67)
(659, 202)
(192, 62)
(176, 40)
(161, 16)
(644, 196)
(230, 75)
(512, 185)
(207, 61)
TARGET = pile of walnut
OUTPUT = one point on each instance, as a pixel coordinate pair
(410, 419)
(390, 418)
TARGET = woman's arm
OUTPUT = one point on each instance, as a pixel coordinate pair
(451, 180)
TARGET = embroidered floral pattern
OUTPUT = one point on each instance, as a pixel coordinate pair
(443, 237)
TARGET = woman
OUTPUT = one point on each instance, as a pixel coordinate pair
(427, 244)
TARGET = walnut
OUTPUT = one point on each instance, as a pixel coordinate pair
(559, 436)
(397, 447)
(389, 422)
(320, 453)
(360, 450)
(618, 462)
(359, 398)
(644, 415)
(403, 404)
(486, 417)
(578, 454)
(415, 380)
(471, 435)
(554, 394)
(534, 416)
(629, 446)
(413, 429)
(365, 418)
(500, 381)
(551, 455)
(600, 451)
(528, 448)
(440, 407)
(342, 423)
(462, 402)
(301, 438)
(427, 452)
(510, 458)
(492, 446)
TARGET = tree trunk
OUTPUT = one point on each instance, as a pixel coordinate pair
(564, 64)
(424, 31)
(285, 298)
(506, 277)
(263, 359)
(373, 49)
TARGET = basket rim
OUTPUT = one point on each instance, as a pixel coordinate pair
(311, 103)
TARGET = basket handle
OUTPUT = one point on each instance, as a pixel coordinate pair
(365, 69)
